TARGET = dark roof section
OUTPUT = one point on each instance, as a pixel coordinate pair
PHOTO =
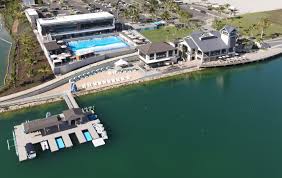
(51, 46)
(211, 44)
(190, 43)
(73, 114)
(155, 48)
(39, 124)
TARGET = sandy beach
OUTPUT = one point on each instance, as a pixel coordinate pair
(248, 6)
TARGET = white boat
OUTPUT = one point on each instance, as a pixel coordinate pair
(44, 145)
(104, 135)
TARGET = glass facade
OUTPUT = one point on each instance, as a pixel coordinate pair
(161, 55)
(61, 28)
(152, 56)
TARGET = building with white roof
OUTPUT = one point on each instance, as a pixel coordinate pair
(71, 26)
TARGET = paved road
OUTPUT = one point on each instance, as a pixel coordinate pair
(274, 42)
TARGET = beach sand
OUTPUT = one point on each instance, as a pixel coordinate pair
(247, 6)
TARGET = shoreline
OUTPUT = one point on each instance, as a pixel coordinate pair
(168, 76)
(37, 102)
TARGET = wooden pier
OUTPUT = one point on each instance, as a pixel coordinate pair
(23, 139)
(70, 101)
(28, 132)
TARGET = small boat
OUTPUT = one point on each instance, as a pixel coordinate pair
(48, 114)
(104, 135)
(44, 145)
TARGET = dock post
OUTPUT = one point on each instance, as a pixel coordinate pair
(8, 145)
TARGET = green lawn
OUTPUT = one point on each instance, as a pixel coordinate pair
(245, 21)
(166, 33)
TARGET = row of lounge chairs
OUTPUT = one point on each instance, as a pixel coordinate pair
(232, 60)
(104, 82)
(88, 74)
(124, 71)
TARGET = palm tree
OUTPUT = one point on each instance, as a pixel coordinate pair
(226, 6)
(263, 24)
(251, 29)
(218, 24)
(44, 71)
(126, 14)
(29, 60)
(30, 74)
(13, 79)
(152, 7)
(135, 13)
(165, 15)
(184, 17)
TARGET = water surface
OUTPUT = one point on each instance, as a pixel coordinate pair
(4, 51)
(223, 124)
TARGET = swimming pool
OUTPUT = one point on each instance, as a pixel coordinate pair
(100, 44)
(87, 136)
(60, 143)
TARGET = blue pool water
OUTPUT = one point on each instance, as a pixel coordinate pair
(97, 44)
(87, 136)
(60, 143)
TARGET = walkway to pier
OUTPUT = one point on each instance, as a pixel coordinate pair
(70, 101)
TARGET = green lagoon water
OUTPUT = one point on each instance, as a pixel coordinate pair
(4, 52)
(224, 124)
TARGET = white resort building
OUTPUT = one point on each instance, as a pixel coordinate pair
(208, 46)
(157, 54)
(71, 26)
(31, 16)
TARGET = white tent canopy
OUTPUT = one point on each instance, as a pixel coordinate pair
(121, 63)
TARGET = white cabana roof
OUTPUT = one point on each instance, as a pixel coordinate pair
(57, 61)
(121, 62)
(75, 18)
(53, 56)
